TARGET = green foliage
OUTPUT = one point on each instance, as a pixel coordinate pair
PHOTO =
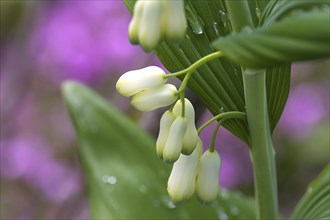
(287, 35)
(219, 83)
(316, 201)
(124, 177)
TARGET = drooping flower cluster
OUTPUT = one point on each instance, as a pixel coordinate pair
(147, 88)
(178, 141)
(195, 172)
(176, 128)
(155, 20)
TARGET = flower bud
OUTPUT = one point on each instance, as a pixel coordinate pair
(164, 127)
(181, 183)
(207, 183)
(174, 140)
(133, 28)
(150, 24)
(156, 20)
(191, 136)
(151, 99)
(175, 22)
(135, 81)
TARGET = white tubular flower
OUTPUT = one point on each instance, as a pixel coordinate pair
(175, 20)
(135, 81)
(151, 99)
(164, 128)
(150, 24)
(207, 183)
(191, 136)
(133, 28)
(181, 183)
(173, 145)
(155, 20)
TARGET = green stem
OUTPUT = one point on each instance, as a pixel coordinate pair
(184, 83)
(183, 111)
(261, 147)
(222, 116)
(239, 14)
(197, 64)
(214, 135)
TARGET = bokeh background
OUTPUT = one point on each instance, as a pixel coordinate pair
(44, 43)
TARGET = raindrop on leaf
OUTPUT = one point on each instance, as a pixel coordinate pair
(234, 211)
(216, 28)
(194, 20)
(258, 13)
(112, 180)
(224, 194)
(222, 215)
(143, 189)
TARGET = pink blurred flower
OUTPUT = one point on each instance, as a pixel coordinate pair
(30, 160)
(307, 105)
(84, 40)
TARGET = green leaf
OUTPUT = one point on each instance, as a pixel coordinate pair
(124, 177)
(261, 4)
(279, 9)
(278, 88)
(218, 83)
(316, 201)
(299, 36)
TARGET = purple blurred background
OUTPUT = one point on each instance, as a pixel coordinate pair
(46, 43)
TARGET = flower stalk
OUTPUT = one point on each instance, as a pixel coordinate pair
(197, 64)
(222, 117)
(261, 147)
(214, 135)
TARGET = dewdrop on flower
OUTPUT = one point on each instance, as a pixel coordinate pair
(164, 128)
(135, 81)
(191, 135)
(207, 182)
(151, 99)
(181, 183)
(173, 145)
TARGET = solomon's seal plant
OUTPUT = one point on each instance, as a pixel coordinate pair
(178, 136)
(236, 57)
